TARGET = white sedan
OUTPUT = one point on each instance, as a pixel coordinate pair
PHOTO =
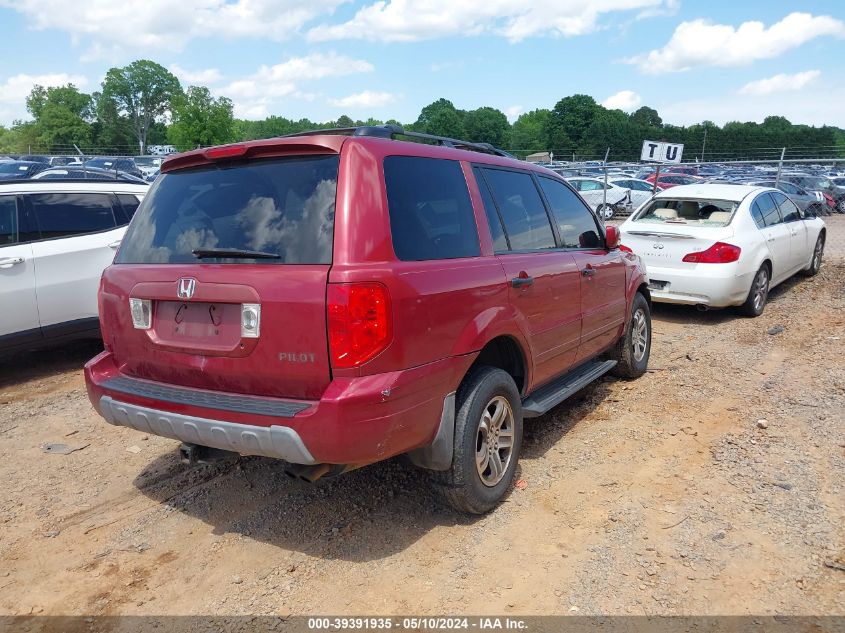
(713, 245)
(617, 201)
(640, 190)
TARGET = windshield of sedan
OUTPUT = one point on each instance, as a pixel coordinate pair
(698, 212)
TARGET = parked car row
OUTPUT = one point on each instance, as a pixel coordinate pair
(138, 168)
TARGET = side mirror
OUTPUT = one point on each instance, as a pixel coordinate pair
(611, 237)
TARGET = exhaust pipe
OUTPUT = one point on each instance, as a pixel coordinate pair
(307, 472)
(701, 307)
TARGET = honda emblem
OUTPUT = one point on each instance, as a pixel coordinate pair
(186, 288)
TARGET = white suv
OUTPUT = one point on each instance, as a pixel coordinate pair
(55, 240)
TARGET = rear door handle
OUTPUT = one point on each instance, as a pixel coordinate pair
(522, 282)
(588, 272)
(114, 245)
(8, 262)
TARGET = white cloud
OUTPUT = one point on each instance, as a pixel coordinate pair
(107, 28)
(780, 83)
(15, 90)
(413, 20)
(702, 43)
(196, 77)
(253, 95)
(626, 100)
(363, 100)
(513, 112)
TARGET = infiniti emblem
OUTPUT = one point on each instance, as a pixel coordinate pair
(186, 288)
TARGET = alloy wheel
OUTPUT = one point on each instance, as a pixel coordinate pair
(639, 335)
(761, 288)
(494, 441)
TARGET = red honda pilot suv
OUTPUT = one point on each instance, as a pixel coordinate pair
(339, 297)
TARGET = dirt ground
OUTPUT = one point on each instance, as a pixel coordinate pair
(665, 495)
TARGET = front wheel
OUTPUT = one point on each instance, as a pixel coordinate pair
(633, 349)
(488, 438)
(758, 294)
(605, 211)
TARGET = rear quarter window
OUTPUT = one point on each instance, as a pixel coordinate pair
(282, 207)
(431, 214)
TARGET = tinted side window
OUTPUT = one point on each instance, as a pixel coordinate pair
(129, 203)
(764, 211)
(575, 223)
(8, 221)
(431, 214)
(497, 233)
(526, 221)
(66, 214)
(788, 211)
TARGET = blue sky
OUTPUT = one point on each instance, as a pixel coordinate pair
(691, 60)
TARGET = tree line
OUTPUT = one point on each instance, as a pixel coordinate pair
(144, 104)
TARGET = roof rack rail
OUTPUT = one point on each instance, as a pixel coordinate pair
(392, 131)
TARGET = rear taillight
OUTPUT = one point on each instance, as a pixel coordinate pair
(359, 322)
(829, 199)
(719, 253)
(625, 249)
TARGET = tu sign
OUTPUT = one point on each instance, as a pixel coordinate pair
(662, 152)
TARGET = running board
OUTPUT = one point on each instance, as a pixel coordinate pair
(551, 395)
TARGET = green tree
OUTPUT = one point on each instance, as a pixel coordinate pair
(111, 131)
(200, 120)
(487, 125)
(569, 120)
(62, 115)
(143, 92)
(440, 118)
(646, 116)
(528, 133)
(344, 121)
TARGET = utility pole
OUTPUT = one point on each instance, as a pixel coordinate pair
(703, 143)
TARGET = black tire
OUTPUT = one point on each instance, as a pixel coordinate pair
(840, 205)
(462, 485)
(605, 212)
(629, 363)
(816, 262)
(758, 294)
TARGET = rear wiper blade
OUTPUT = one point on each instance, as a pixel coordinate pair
(232, 253)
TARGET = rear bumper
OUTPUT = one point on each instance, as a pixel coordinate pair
(274, 441)
(358, 420)
(714, 285)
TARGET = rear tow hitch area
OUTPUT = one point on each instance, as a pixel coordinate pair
(196, 454)
(312, 472)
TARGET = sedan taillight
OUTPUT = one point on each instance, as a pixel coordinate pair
(719, 253)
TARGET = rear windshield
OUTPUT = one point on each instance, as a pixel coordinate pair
(697, 212)
(282, 207)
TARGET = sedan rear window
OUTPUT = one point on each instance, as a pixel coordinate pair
(280, 209)
(701, 212)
